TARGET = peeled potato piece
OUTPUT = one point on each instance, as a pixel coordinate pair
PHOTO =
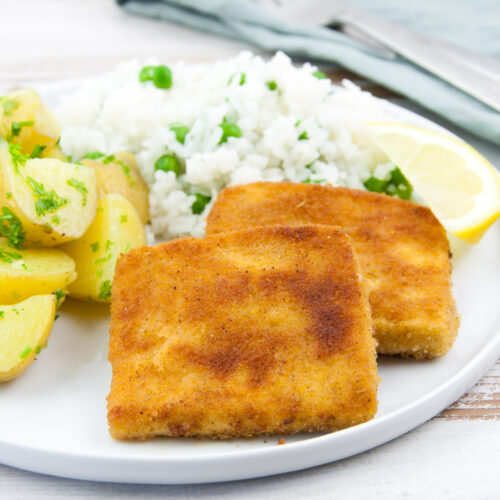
(35, 271)
(24, 331)
(26, 121)
(53, 201)
(120, 174)
(116, 229)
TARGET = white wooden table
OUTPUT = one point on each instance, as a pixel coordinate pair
(455, 455)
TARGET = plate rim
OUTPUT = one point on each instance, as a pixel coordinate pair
(262, 462)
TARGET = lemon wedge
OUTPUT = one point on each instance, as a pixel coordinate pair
(460, 186)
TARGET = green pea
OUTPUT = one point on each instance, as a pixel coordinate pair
(229, 130)
(180, 132)
(168, 163)
(200, 203)
(146, 73)
(162, 77)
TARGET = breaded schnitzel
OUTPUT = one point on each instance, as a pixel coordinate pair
(401, 246)
(262, 331)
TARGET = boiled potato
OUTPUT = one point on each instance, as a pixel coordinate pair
(53, 152)
(26, 121)
(120, 174)
(24, 331)
(116, 229)
(35, 271)
(51, 201)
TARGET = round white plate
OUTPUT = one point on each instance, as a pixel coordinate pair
(53, 418)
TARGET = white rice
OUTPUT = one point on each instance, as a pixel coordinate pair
(117, 112)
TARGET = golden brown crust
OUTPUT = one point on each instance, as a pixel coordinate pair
(402, 248)
(255, 332)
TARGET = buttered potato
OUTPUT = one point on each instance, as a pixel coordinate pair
(116, 229)
(43, 202)
(24, 331)
(35, 271)
(120, 174)
(24, 120)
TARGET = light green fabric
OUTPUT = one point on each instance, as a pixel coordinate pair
(472, 24)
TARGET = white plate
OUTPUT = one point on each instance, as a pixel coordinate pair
(53, 418)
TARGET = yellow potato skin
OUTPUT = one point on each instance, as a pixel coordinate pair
(112, 178)
(24, 326)
(25, 106)
(116, 229)
(39, 271)
(67, 222)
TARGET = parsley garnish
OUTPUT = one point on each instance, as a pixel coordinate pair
(109, 244)
(93, 155)
(9, 257)
(314, 181)
(25, 352)
(303, 136)
(80, 187)
(2, 314)
(243, 77)
(56, 219)
(94, 246)
(319, 75)
(16, 127)
(59, 296)
(37, 151)
(38, 349)
(105, 290)
(125, 167)
(104, 259)
(47, 201)
(9, 105)
(123, 219)
(11, 228)
(180, 132)
(18, 159)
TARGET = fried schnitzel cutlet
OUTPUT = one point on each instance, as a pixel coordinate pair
(261, 331)
(401, 246)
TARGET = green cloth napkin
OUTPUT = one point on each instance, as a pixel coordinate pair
(471, 24)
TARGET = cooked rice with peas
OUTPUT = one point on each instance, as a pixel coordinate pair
(232, 122)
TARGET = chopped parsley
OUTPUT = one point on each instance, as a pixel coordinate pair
(109, 244)
(80, 187)
(9, 257)
(168, 163)
(59, 296)
(200, 203)
(303, 136)
(11, 228)
(123, 219)
(8, 194)
(180, 132)
(229, 129)
(56, 219)
(37, 151)
(272, 85)
(126, 169)
(16, 127)
(94, 246)
(314, 181)
(396, 185)
(93, 155)
(18, 159)
(99, 273)
(242, 80)
(9, 105)
(104, 259)
(319, 75)
(26, 351)
(38, 349)
(47, 201)
(2, 313)
(105, 290)
(127, 248)
(161, 76)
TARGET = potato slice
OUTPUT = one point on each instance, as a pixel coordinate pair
(116, 229)
(24, 330)
(120, 174)
(26, 121)
(35, 271)
(53, 201)
(53, 152)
